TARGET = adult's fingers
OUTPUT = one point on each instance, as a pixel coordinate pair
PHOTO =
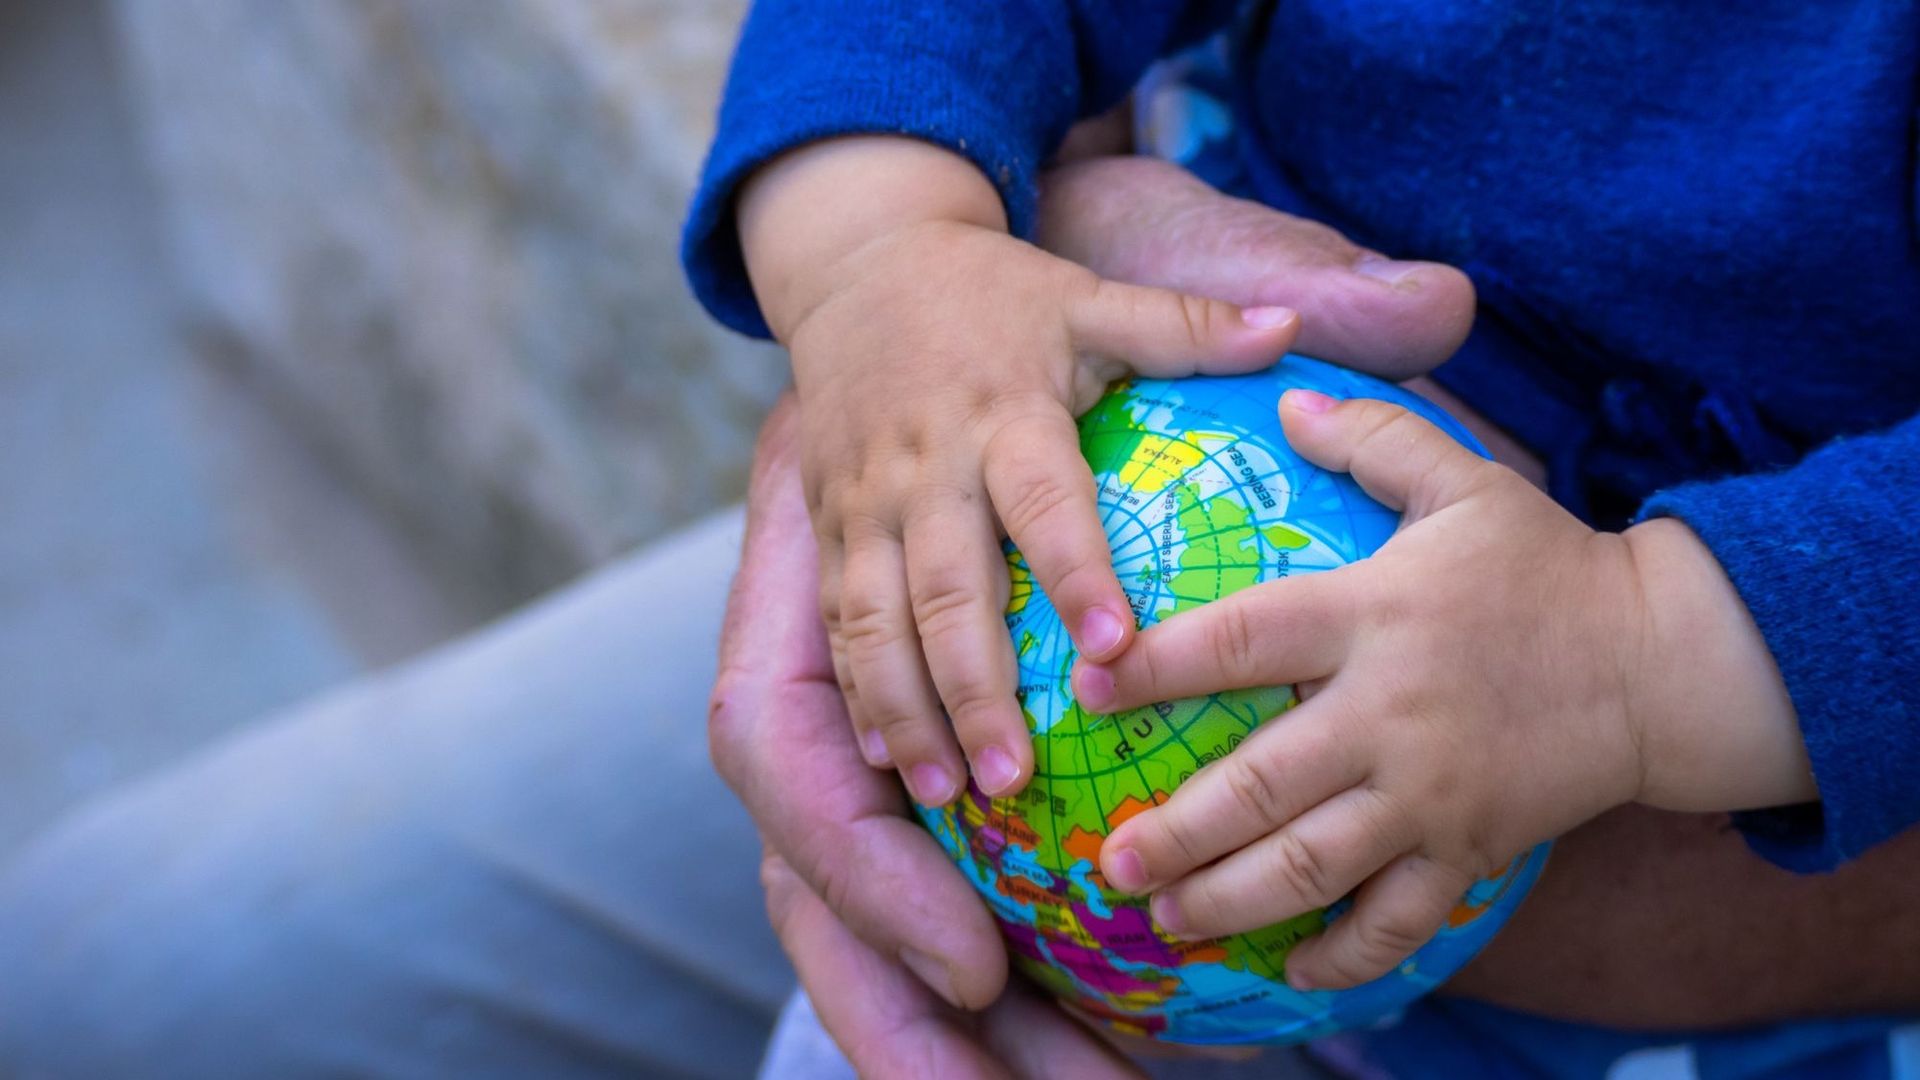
(957, 582)
(1397, 457)
(787, 752)
(1043, 491)
(1039, 1041)
(882, 1017)
(1283, 769)
(888, 1025)
(1272, 634)
(1167, 334)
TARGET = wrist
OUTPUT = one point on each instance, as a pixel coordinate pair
(1713, 722)
(805, 215)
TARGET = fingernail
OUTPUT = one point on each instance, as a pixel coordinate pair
(931, 785)
(996, 770)
(1094, 687)
(1167, 914)
(1308, 401)
(932, 972)
(1100, 631)
(1298, 981)
(1126, 872)
(874, 749)
(1392, 271)
(1266, 318)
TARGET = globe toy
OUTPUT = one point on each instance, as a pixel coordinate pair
(1200, 495)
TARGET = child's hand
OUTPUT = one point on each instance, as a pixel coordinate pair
(1495, 675)
(939, 364)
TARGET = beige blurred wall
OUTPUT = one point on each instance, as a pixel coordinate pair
(439, 237)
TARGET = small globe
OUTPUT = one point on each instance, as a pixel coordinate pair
(1201, 496)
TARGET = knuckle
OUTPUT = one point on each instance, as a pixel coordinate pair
(1254, 791)
(781, 888)
(1035, 498)
(931, 496)
(942, 602)
(975, 704)
(1233, 640)
(1298, 868)
(1399, 423)
(1179, 837)
(1078, 585)
(868, 521)
(1197, 316)
(1202, 903)
(842, 666)
(894, 722)
(1139, 672)
(726, 732)
(830, 615)
(1386, 426)
(1086, 288)
(1379, 944)
(866, 625)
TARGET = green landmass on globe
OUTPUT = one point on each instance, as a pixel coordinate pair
(1201, 497)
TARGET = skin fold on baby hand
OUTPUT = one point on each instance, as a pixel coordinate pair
(1495, 675)
(939, 363)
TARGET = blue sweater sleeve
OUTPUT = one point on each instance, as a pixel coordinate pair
(997, 81)
(1825, 557)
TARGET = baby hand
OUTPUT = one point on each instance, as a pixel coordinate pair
(939, 365)
(1493, 676)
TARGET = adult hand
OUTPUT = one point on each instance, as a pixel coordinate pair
(867, 907)
(1150, 222)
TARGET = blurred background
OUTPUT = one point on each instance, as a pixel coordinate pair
(330, 329)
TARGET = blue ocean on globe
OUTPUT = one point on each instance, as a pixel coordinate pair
(1201, 496)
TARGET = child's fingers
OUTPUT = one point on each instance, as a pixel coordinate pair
(1166, 334)
(1274, 634)
(957, 582)
(1318, 858)
(884, 658)
(1283, 769)
(1394, 455)
(1394, 913)
(872, 746)
(1043, 492)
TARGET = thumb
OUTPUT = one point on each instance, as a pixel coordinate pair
(1396, 457)
(1153, 223)
(1164, 334)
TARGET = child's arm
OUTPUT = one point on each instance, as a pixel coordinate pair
(939, 362)
(937, 356)
(1495, 675)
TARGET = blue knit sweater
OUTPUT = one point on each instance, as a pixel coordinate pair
(1693, 228)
